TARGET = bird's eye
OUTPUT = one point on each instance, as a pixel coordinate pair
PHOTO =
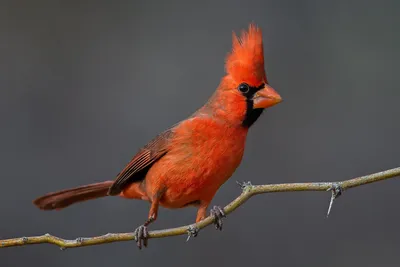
(244, 88)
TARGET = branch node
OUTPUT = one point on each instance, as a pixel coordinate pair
(337, 191)
(245, 186)
(192, 230)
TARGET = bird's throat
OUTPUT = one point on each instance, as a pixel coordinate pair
(251, 114)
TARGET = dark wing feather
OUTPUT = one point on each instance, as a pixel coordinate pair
(139, 165)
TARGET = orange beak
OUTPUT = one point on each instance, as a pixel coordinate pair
(266, 97)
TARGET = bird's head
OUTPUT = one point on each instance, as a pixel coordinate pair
(244, 92)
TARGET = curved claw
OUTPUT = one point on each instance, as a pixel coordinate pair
(141, 235)
(193, 231)
(218, 214)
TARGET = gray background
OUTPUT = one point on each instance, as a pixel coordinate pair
(85, 84)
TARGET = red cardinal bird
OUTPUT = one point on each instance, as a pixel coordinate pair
(186, 164)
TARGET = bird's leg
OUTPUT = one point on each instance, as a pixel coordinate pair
(217, 212)
(201, 214)
(141, 233)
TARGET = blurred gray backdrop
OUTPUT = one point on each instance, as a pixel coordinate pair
(84, 84)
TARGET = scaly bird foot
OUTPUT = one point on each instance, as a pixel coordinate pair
(218, 214)
(141, 235)
(192, 232)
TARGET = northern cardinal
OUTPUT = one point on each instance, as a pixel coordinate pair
(186, 164)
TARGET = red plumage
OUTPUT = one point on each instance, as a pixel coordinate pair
(187, 164)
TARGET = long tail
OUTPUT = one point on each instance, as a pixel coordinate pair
(64, 198)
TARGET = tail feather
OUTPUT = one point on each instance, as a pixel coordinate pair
(62, 199)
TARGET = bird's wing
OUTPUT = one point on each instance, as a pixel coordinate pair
(140, 164)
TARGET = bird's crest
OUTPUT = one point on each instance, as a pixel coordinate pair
(246, 61)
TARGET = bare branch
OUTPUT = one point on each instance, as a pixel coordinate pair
(248, 191)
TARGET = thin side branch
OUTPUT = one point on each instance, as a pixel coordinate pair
(248, 191)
